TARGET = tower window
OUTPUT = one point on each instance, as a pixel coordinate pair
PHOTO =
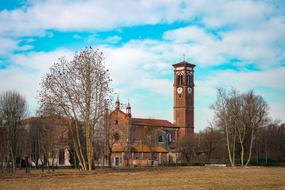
(180, 79)
(188, 80)
(116, 122)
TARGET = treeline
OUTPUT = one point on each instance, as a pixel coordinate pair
(241, 133)
(209, 147)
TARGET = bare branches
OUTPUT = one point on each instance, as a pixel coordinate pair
(77, 89)
(239, 115)
(13, 109)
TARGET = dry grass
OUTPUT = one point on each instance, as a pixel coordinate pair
(159, 178)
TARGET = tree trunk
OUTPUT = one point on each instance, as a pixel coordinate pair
(26, 162)
(2, 166)
(250, 148)
(53, 163)
(242, 148)
(110, 158)
(242, 155)
(13, 162)
(78, 148)
(42, 165)
(228, 143)
(234, 150)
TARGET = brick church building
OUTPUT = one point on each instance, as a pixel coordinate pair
(151, 142)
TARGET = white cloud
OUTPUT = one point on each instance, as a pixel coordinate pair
(188, 34)
(25, 74)
(76, 15)
(39, 62)
(24, 82)
(86, 15)
(8, 45)
(237, 13)
(262, 46)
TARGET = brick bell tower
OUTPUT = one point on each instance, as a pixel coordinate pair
(183, 89)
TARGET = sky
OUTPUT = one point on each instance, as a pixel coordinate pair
(234, 44)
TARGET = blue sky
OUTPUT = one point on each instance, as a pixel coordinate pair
(238, 44)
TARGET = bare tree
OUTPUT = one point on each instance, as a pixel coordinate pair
(223, 120)
(13, 109)
(77, 89)
(239, 115)
(255, 115)
(210, 142)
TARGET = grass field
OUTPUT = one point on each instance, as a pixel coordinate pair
(157, 178)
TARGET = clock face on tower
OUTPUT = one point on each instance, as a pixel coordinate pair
(179, 90)
(189, 90)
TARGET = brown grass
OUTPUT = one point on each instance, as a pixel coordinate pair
(159, 178)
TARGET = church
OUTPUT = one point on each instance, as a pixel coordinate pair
(152, 142)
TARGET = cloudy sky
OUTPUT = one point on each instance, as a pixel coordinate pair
(238, 44)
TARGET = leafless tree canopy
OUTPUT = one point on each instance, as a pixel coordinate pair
(239, 115)
(78, 90)
(13, 109)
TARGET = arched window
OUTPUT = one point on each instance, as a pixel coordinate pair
(180, 79)
(116, 136)
(169, 137)
(160, 139)
(188, 80)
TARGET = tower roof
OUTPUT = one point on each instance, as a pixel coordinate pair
(128, 105)
(183, 63)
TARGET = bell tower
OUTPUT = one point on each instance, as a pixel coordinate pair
(183, 89)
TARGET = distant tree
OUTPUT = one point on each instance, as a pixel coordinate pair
(13, 109)
(150, 137)
(188, 148)
(77, 89)
(269, 145)
(211, 142)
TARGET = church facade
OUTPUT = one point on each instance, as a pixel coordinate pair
(152, 142)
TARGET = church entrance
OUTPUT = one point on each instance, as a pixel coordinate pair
(117, 161)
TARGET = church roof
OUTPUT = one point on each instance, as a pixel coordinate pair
(151, 122)
(182, 63)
